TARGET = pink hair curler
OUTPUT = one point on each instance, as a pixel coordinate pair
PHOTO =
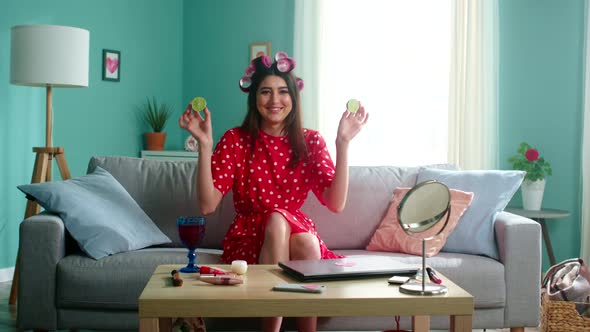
(266, 61)
(280, 55)
(285, 65)
(300, 84)
(245, 83)
(250, 70)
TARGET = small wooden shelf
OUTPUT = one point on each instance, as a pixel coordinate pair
(170, 155)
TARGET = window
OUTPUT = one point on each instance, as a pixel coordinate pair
(393, 56)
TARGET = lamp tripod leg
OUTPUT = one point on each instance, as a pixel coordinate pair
(14, 287)
(63, 166)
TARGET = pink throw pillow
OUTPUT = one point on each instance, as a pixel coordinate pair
(390, 236)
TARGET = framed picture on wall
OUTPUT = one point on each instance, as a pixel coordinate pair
(259, 49)
(111, 65)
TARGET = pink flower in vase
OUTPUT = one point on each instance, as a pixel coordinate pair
(528, 159)
(531, 154)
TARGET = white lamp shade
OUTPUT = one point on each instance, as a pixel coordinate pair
(49, 55)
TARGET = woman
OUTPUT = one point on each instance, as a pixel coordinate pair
(271, 163)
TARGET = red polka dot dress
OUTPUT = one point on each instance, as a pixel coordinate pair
(263, 183)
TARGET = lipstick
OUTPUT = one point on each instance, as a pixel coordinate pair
(211, 270)
(432, 275)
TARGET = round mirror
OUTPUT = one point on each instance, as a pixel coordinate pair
(423, 207)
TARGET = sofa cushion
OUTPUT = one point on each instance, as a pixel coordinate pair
(391, 237)
(493, 189)
(115, 282)
(369, 195)
(98, 212)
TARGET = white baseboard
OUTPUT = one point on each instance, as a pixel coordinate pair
(6, 274)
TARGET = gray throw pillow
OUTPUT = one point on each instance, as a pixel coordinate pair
(98, 212)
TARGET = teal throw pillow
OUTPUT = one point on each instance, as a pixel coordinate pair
(492, 190)
(98, 212)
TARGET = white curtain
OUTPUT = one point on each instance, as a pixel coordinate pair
(408, 104)
(473, 100)
(307, 50)
(584, 206)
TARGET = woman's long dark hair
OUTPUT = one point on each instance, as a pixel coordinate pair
(293, 122)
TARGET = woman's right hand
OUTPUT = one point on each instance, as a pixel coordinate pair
(199, 127)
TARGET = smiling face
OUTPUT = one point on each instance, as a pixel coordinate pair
(274, 104)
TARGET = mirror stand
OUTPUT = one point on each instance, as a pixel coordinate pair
(414, 288)
(423, 207)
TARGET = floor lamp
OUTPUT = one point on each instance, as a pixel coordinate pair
(47, 56)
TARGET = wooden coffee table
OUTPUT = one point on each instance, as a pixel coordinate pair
(254, 298)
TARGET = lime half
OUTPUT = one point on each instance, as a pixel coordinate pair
(198, 104)
(353, 105)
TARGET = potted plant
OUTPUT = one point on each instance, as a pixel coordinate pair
(529, 160)
(155, 115)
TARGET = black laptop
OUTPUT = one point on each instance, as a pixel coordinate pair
(350, 267)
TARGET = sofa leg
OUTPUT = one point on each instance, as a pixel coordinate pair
(517, 329)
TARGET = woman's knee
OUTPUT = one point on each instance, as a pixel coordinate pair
(304, 246)
(276, 227)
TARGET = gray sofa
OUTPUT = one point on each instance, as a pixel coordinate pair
(61, 288)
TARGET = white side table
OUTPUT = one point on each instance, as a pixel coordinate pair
(540, 216)
(170, 155)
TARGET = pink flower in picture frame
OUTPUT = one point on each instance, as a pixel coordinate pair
(111, 65)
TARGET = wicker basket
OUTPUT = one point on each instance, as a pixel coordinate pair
(562, 316)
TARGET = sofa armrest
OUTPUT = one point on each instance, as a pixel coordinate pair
(41, 247)
(519, 245)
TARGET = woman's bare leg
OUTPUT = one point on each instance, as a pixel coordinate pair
(271, 324)
(279, 245)
(305, 246)
(275, 248)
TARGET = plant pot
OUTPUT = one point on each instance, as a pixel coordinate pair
(155, 141)
(532, 194)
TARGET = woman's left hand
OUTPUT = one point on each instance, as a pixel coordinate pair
(351, 124)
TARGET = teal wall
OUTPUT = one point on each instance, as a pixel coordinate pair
(100, 119)
(178, 49)
(541, 102)
(217, 35)
(172, 49)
